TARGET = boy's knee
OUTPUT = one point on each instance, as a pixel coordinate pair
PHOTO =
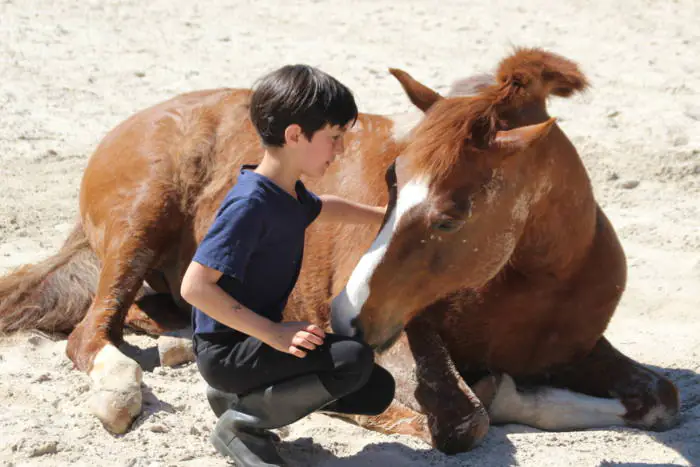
(365, 363)
(383, 388)
(359, 358)
(354, 361)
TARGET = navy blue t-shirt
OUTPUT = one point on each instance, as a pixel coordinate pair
(257, 242)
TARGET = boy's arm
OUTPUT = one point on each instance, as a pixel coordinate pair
(337, 209)
(199, 288)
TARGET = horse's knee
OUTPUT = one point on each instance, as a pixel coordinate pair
(658, 409)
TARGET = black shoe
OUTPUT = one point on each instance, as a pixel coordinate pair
(246, 448)
(221, 401)
(272, 407)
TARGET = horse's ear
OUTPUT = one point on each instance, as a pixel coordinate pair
(421, 95)
(519, 139)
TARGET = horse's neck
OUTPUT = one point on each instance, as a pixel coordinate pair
(561, 222)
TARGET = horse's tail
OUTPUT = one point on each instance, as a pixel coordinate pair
(534, 74)
(53, 295)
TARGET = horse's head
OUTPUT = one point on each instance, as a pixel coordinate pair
(459, 199)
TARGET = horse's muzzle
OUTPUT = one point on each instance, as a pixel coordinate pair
(345, 321)
(344, 317)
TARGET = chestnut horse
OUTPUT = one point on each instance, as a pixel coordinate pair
(494, 257)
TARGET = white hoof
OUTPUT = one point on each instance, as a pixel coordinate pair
(175, 350)
(116, 393)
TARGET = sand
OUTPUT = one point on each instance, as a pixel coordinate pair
(72, 70)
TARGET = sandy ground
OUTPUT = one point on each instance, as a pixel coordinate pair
(72, 70)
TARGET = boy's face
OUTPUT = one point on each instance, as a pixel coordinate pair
(316, 155)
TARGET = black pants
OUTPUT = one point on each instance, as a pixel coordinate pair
(345, 367)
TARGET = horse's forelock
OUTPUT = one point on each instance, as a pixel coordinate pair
(440, 140)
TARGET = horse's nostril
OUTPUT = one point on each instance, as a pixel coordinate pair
(356, 329)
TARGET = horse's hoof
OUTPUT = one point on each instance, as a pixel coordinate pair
(116, 395)
(461, 435)
(661, 414)
(175, 350)
(116, 409)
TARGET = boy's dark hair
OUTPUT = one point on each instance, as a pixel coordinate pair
(302, 95)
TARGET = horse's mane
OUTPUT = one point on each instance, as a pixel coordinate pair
(451, 125)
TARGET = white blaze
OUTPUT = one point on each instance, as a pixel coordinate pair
(412, 194)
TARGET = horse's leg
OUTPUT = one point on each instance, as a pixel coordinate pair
(156, 314)
(159, 315)
(449, 422)
(92, 346)
(549, 408)
(605, 388)
(650, 400)
(457, 419)
(432, 400)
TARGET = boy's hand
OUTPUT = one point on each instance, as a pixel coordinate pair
(296, 338)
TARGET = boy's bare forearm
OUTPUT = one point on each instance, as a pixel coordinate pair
(213, 301)
(337, 209)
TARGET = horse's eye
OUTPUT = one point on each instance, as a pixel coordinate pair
(447, 225)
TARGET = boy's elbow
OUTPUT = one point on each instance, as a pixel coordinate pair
(197, 283)
(187, 290)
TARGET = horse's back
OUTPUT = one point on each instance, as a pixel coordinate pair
(149, 171)
(165, 133)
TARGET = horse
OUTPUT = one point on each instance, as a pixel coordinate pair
(486, 291)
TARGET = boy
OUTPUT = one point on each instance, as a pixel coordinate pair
(263, 373)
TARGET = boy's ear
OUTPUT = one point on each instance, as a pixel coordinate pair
(293, 134)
